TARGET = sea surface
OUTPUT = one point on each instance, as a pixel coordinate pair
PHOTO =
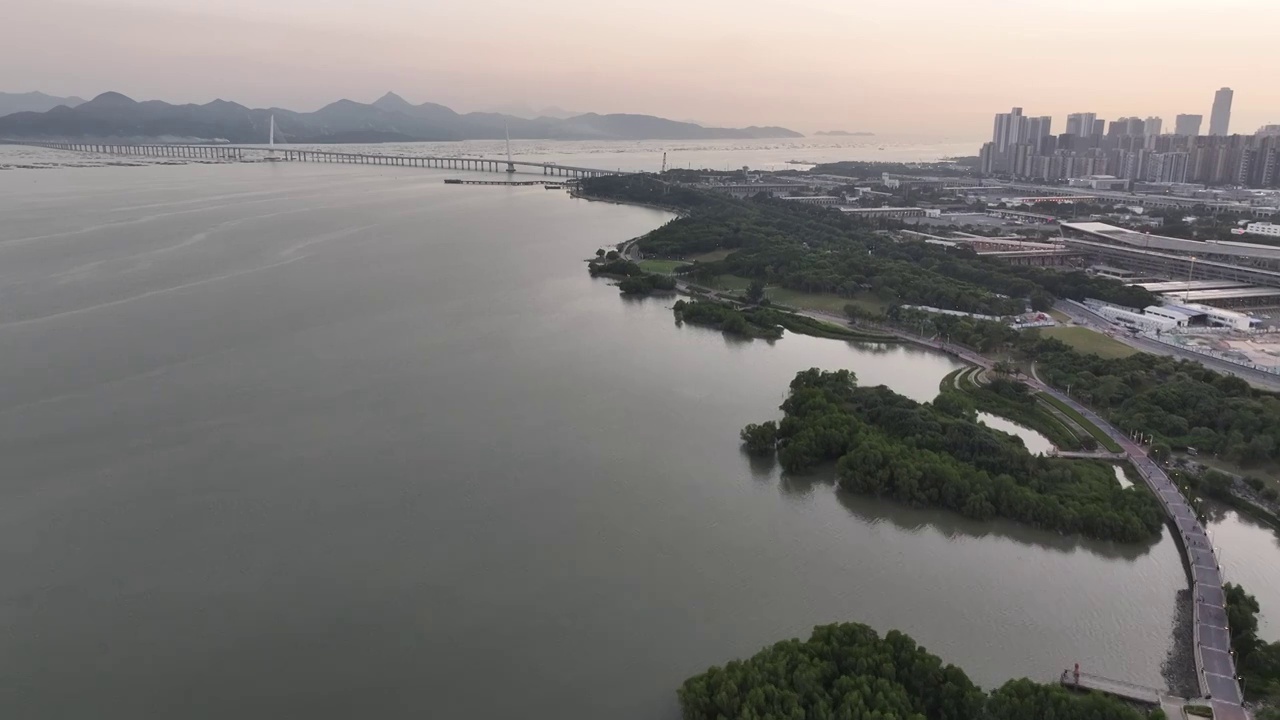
(322, 441)
(642, 155)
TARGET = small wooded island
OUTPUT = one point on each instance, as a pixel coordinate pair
(938, 455)
(849, 671)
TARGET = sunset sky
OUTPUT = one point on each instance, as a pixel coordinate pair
(923, 67)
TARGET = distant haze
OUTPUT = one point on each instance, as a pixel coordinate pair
(931, 67)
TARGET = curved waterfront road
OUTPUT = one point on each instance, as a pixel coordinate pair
(1215, 666)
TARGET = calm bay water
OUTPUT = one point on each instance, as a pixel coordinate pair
(646, 155)
(327, 441)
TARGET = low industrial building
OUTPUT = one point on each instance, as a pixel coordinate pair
(1113, 273)
(826, 200)
(890, 212)
(1170, 257)
(1245, 297)
(1263, 228)
(745, 190)
(1025, 217)
(1132, 318)
(1177, 286)
(1174, 317)
(1219, 317)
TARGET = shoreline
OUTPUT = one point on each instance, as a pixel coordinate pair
(591, 198)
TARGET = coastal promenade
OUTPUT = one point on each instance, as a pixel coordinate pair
(1215, 665)
(1211, 637)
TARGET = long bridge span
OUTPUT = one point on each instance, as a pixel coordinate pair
(241, 152)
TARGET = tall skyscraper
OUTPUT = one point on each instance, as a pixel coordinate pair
(1010, 129)
(1168, 167)
(1126, 126)
(1220, 120)
(1081, 124)
(1188, 125)
(1153, 125)
(1038, 128)
(1099, 126)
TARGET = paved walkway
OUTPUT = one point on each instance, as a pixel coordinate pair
(1215, 667)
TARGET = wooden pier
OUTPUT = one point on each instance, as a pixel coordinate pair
(1116, 688)
(457, 181)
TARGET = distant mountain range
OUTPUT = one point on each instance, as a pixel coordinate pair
(521, 110)
(390, 119)
(38, 102)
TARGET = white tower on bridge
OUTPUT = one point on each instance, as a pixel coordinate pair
(507, 131)
(271, 140)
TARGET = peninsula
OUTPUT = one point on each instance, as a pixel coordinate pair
(938, 454)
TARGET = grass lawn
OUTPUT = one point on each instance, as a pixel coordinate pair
(1097, 432)
(1060, 316)
(1089, 341)
(730, 282)
(823, 302)
(713, 256)
(663, 267)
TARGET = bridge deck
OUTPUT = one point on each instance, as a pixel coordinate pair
(1090, 455)
(286, 153)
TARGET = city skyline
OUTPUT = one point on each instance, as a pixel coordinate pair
(1133, 149)
(821, 65)
(1085, 124)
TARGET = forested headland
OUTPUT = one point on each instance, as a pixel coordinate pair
(939, 455)
(813, 249)
(847, 671)
(730, 320)
(634, 280)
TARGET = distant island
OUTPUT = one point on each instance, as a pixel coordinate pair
(389, 119)
(843, 133)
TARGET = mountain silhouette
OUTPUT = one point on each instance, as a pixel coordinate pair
(389, 118)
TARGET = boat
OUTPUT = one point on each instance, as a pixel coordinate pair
(452, 181)
(553, 186)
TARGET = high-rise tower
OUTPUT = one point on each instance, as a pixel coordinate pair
(1220, 120)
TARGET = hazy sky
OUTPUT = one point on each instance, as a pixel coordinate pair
(937, 67)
